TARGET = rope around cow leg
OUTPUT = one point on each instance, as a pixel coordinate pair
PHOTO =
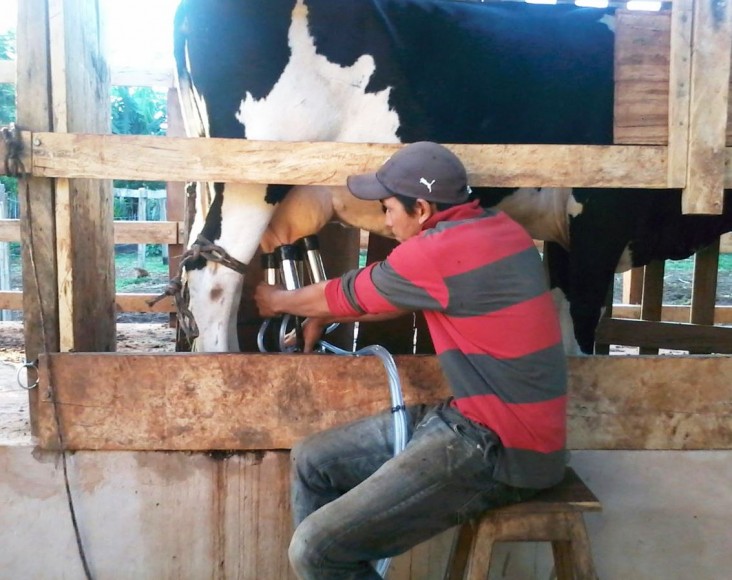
(201, 248)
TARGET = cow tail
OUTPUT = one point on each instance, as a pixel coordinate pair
(192, 106)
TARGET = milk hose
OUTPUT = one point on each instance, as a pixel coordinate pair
(398, 410)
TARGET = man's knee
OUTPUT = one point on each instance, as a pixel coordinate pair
(302, 553)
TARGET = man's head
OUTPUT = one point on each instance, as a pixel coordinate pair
(412, 184)
(422, 170)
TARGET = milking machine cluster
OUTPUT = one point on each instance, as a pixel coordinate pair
(287, 266)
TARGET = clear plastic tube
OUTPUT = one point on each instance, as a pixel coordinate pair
(399, 411)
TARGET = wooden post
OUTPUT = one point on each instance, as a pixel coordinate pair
(4, 252)
(709, 89)
(141, 217)
(84, 207)
(652, 306)
(36, 194)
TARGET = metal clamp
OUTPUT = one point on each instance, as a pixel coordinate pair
(27, 365)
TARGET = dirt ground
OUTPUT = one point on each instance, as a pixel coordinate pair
(14, 426)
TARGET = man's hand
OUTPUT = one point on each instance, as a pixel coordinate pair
(265, 296)
(312, 332)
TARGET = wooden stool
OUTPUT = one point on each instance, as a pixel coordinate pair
(553, 515)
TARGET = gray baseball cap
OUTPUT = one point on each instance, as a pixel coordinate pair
(422, 170)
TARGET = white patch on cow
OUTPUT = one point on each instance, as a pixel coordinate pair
(543, 212)
(609, 21)
(574, 207)
(215, 290)
(317, 100)
(625, 262)
(571, 347)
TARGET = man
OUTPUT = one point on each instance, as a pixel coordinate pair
(478, 279)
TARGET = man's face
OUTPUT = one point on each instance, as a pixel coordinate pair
(402, 224)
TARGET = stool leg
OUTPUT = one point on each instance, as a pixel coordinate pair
(461, 552)
(480, 555)
(562, 551)
(584, 568)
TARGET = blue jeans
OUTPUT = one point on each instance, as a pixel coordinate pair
(354, 503)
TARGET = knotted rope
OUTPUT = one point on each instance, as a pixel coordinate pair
(201, 248)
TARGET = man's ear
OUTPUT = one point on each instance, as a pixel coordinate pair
(424, 210)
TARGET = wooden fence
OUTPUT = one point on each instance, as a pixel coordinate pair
(644, 165)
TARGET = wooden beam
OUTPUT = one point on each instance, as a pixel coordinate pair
(36, 194)
(641, 78)
(131, 77)
(228, 160)
(84, 236)
(679, 83)
(137, 302)
(671, 335)
(671, 313)
(125, 232)
(704, 288)
(269, 401)
(711, 45)
(120, 76)
(128, 302)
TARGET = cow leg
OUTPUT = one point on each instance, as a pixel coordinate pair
(598, 238)
(556, 263)
(235, 221)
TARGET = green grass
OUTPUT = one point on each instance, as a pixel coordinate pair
(725, 264)
(126, 276)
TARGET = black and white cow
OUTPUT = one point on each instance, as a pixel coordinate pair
(408, 70)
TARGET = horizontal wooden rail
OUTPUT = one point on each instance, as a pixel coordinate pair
(244, 402)
(127, 302)
(125, 232)
(229, 160)
(671, 313)
(670, 335)
(122, 76)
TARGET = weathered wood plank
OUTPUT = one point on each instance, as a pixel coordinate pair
(641, 77)
(124, 232)
(84, 236)
(131, 302)
(652, 301)
(704, 290)
(711, 47)
(36, 194)
(120, 76)
(266, 401)
(655, 335)
(672, 313)
(227, 160)
(678, 87)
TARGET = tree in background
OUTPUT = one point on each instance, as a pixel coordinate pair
(138, 111)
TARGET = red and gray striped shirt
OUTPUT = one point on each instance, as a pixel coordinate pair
(478, 278)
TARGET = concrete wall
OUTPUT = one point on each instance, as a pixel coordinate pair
(667, 515)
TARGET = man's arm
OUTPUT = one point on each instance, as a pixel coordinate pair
(307, 302)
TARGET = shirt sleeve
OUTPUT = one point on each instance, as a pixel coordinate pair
(407, 280)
